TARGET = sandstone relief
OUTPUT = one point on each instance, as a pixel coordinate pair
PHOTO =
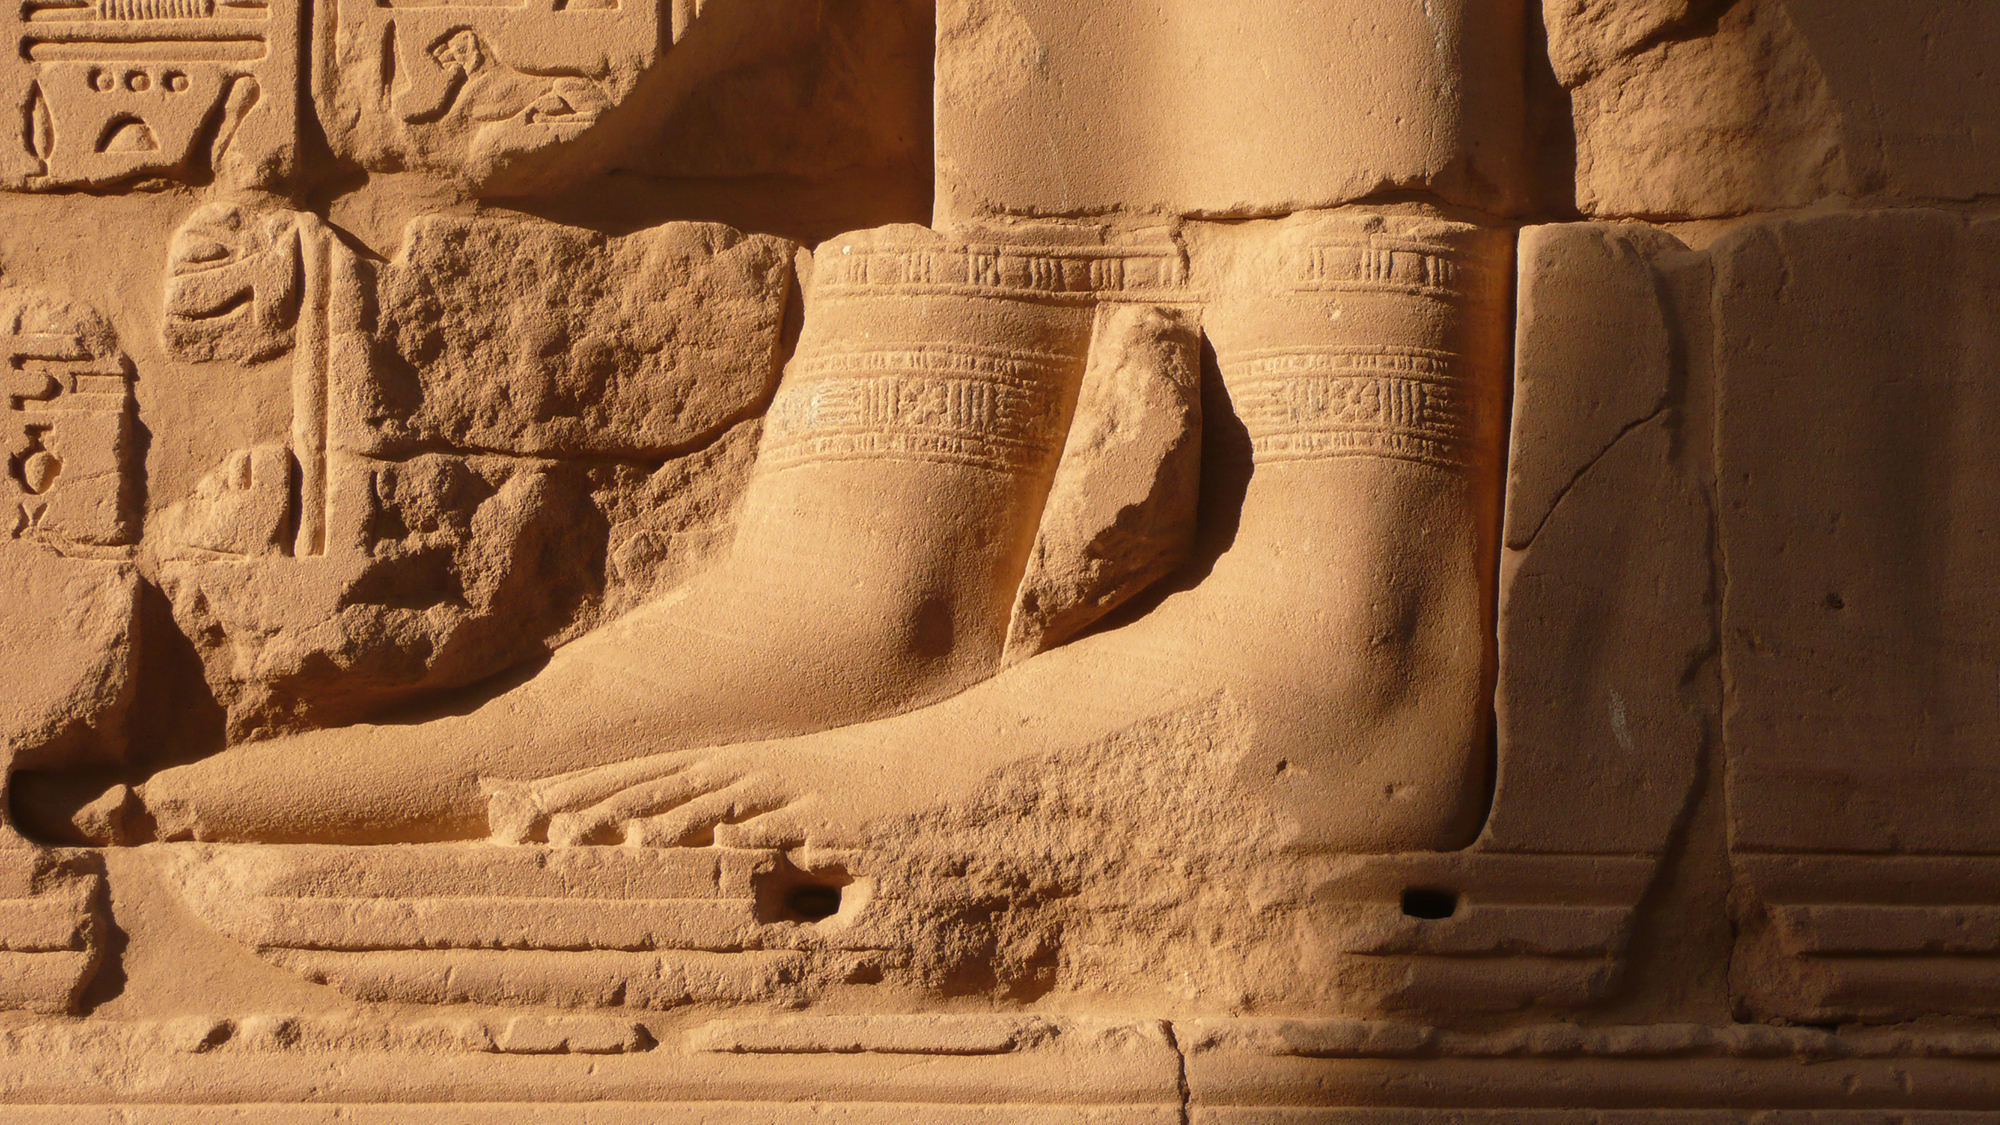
(978, 560)
(115, 91)
(500, 97)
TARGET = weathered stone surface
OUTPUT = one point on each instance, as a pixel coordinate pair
(1120, 513)
(530, 338)
(68, 645)
(1719, 124)
(1915, 94)
(1194, 113)
(1698, 108)
(1855, 446)
(1587, 36)
(475, 566)
(468, 566)
(1606, 592)
(243, 509)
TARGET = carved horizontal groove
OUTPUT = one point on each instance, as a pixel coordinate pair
(1498, 983)
(1279, 1037)
(977, 407)
(1489, 930)
(76, 375)
(1404, 404)
(43, 346)
(1844, 928)
(884, 1035)
(1903, 880)
(1005, 1110)
(597, 978)
(137, 31)
(73, 406)
(98, 46)
(43, 980)
(1496, 877)
(49, 924)
(440, 871)
(555, 924)
(1390, 265)
(1032, 272)
(501, 4)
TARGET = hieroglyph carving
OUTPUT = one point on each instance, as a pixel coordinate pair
(493, 94)
(233, 284)
(110, 91)
(69, 432)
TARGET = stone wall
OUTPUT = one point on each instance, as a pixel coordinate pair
(1365, 561)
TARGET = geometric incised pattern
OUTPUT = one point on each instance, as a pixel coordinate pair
(1408, 404)
(1048, 273)
(954, 404)
(1385, 264)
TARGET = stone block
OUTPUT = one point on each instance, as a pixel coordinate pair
(1700, 109)
(1257, 107)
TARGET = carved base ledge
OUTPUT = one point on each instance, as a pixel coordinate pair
(988, 1068)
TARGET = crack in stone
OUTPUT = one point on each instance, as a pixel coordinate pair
(1660, 408)
(1180, 1070)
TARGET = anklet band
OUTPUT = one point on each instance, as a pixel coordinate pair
(987, 408)
(1407, 404)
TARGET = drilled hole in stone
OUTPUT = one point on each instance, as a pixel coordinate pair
(813, 902)
(1429, 902)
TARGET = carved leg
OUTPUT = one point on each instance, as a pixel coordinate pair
(1340, 648)
(880, 544)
